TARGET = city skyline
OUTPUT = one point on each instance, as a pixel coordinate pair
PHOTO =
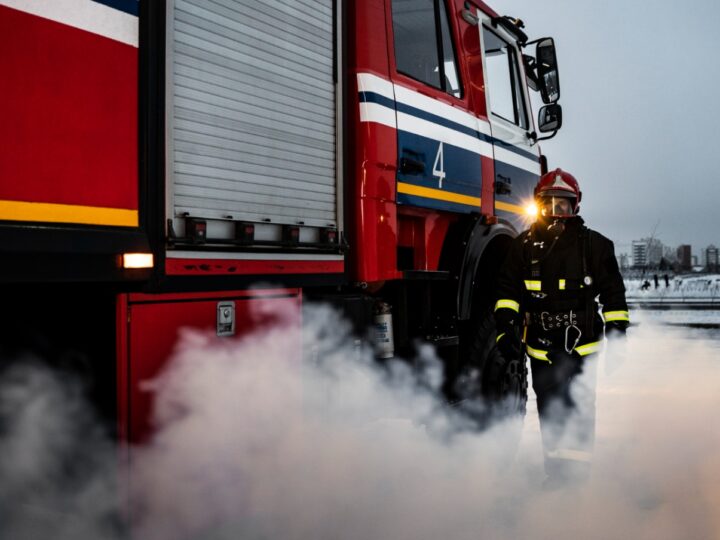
(651, 251)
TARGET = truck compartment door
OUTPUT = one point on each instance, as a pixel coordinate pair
(149, 327)
(252, 113)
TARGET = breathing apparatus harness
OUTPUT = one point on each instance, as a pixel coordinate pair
(569, 320)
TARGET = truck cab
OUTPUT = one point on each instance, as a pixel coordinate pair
(447, 110)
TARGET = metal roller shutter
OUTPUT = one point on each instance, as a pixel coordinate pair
(252, 117)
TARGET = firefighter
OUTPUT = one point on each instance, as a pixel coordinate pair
(547, 308)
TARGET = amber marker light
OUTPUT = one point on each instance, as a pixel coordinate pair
(137, 260)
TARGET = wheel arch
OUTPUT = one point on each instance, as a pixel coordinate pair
(473, 255)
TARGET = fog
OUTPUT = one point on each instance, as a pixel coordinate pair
(252, 443)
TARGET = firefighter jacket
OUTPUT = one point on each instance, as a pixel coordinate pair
(551, 283)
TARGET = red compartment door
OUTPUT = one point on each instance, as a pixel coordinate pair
(148, 330)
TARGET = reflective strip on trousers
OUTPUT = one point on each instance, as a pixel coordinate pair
(537, 354)
(582, 350)
(616, 316)
(561, 284)
(509, 304)
(589, 348)
(533, 285)
(500, 336)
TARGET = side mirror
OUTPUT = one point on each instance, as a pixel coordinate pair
(550, 118)
(547, 70)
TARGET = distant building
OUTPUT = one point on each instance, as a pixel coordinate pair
(694, 260)
(639, 254)
(684, 256)
(711, 258)
(623, 261)
(647, 252)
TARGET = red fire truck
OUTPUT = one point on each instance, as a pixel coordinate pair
(160, 158)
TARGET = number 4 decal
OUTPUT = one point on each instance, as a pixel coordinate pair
(439, 166)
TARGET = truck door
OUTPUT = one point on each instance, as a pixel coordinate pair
(516, 155)
(439, 140)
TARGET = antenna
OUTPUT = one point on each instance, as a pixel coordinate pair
(650, 240)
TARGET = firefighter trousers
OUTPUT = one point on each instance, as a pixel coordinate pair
(565, 390)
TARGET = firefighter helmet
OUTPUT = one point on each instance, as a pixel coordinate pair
(554, 191)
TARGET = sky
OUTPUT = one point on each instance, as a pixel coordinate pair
(640, 114)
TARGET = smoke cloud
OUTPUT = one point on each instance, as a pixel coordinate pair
(55, 468)
(252, 443)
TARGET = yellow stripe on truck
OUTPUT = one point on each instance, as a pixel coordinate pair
(449, 196)
(437, 194)
(67, 213)
(514, 208)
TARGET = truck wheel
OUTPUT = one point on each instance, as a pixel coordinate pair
(490, 387)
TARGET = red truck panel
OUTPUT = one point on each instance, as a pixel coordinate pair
(373, 235)
(204, 267)
(148, 327)
(68, 136)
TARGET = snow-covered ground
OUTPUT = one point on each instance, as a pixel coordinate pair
(678, 317)
(708, 318)
(690, 289)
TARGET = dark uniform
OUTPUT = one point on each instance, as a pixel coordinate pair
(548, 293)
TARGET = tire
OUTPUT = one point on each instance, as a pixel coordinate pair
(489, 387)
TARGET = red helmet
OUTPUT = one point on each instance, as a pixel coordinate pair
(557, 185)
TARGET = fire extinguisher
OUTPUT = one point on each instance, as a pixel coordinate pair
(383, 331)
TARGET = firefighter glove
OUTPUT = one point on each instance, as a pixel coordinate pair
(616, 329)
(508, 333)
(616, 352)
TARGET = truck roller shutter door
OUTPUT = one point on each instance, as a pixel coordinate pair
(252, 110)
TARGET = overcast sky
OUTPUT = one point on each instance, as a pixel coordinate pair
(639, 84)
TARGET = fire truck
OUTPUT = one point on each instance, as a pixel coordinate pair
(160, 159)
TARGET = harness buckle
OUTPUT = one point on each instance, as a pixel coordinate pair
(542, 320)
